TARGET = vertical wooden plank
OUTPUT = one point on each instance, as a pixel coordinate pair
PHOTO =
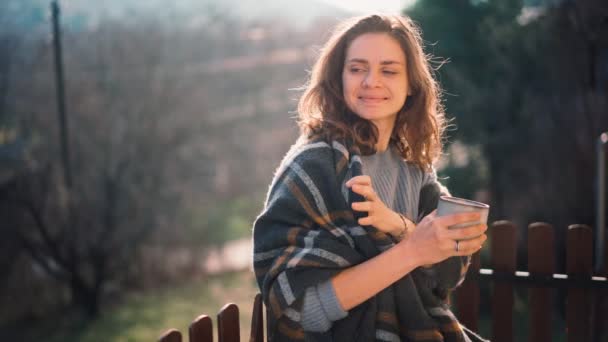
(541, 262)
(467, 296)
(503, 252)
(228, 328)
(579, 260)
(257, 320)
(601, 329)
(201, 329)
(171, 335)
(602, 313)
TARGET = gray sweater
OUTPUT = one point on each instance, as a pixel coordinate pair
(398, 184)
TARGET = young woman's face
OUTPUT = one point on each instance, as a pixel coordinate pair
(374, 78)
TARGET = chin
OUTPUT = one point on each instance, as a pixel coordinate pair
(369, 115)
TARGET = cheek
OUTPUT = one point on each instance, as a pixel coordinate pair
(348, 89)
(346, 84)
(401, 90)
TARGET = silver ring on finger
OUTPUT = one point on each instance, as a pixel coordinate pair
(457, 246)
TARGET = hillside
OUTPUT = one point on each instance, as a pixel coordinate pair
(83, 14)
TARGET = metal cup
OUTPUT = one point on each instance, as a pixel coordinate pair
(451, 205)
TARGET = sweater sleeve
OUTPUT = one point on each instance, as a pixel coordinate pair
(321, 308)
(449, 273)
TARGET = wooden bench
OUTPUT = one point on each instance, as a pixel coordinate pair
(585, 318)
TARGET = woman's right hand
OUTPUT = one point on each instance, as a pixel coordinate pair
(433, 242)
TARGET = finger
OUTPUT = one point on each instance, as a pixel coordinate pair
(466, 233)
(468, 247)
(458, 218)
(363, 180)
(366, 221)
(365, 191)
(362, 206)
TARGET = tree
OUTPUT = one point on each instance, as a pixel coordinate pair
(519, 87)
(126, 140)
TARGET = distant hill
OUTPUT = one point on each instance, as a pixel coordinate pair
(81, 14)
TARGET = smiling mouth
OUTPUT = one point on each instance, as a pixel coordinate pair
(372, 99)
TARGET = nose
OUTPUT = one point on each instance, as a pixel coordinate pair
(371, 79)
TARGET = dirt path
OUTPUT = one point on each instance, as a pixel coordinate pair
(233, 256)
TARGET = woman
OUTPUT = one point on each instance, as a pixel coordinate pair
(348, 247)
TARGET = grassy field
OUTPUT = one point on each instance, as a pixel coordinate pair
(143, 317)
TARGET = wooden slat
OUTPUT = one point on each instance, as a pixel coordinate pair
(171, 335)
(541, 262)
(605, 268)
(228, 329)
(467, 297)
(601, 331)
(503, 244)
(257, 320)
(201, 329)
(579, 255)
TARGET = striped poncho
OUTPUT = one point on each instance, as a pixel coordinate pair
(307, 233)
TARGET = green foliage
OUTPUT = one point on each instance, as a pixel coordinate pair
(520, 84)
(480, 41)
(144, 316)
(464, 181)
(221, 221)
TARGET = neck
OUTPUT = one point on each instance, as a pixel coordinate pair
(385, 129)
(382, 143)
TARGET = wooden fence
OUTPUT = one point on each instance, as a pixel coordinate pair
(228, 327)
(586, 294)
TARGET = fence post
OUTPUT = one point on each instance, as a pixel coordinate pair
(601, 332)
(201, 329)
(228, 328)
(467, 296)
(579, 255)
(172, 335)
(503, 250)
(600, 221)
(257, 320)
(541, 262)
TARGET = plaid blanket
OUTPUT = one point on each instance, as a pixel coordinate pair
(307, 233)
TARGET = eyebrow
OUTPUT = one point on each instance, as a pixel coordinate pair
(364, 61)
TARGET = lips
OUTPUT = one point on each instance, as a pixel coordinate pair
(372, 99)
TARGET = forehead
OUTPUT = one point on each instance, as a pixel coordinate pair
(375, 47)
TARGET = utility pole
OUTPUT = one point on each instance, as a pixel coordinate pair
(61, 107)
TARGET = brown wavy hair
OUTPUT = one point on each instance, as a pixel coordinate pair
(420, 124)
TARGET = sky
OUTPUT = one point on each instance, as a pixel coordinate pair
(371, 5)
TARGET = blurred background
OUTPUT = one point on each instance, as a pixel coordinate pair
(135, 154)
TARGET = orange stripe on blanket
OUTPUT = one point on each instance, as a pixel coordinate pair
(274, 304)
(340, 165)
(292, 234)
(295, 190)
(294, 334)
(304, 262)
(279, 263)
(451, 327)
(387, 317)
(424, 335)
